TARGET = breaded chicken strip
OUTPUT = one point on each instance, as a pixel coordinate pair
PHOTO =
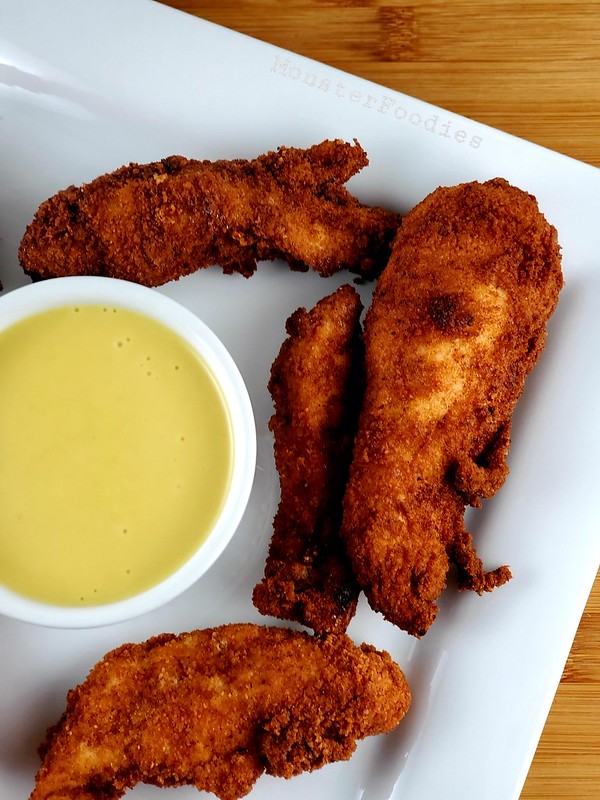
(458, 320)
(316, 385)
(156, 222)
(217, 708)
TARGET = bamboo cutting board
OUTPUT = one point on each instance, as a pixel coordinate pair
(532, 70)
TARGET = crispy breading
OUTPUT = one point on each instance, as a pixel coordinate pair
(217, 708)
(316, 386)
(156, 222)
(457, 321)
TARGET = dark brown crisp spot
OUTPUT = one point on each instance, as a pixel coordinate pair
(446, 313)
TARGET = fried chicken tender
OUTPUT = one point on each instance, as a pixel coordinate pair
(316, 385)
(215, 709)
(457, 321)
(157, 222)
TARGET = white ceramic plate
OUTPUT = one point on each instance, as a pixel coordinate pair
(86, 87)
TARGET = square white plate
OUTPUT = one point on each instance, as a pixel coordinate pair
(86, 87)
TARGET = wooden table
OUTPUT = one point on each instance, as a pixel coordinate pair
(530, 69)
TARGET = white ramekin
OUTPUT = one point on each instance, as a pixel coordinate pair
(45, 295)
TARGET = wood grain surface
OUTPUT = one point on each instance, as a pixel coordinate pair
(532, 70)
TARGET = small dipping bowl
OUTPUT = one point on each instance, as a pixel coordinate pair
(108, 293)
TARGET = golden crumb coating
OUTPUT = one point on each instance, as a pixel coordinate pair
(155, 222)
(457, 321)
(316, 385)
(216, 708)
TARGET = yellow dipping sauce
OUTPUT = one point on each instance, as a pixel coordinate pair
(115, 454)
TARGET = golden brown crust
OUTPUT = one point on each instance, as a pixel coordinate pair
(457, 321)
(217, 708)
(157, 222)
(316, 385)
